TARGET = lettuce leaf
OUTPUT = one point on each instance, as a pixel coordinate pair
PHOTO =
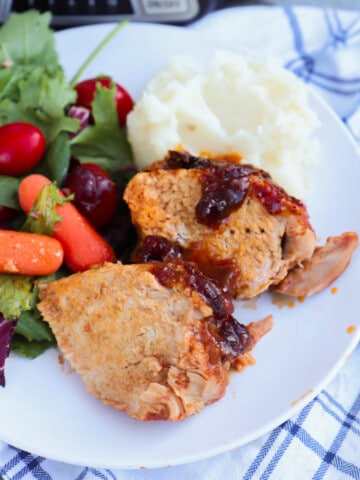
(26, 39)
(33, 86)
(31, 326)
(40, 99)
(32, 336)
(9, 187)
(29, 349)
(103, 143)
(57, 158)
(21, 323)
(34, 89)
(17, 294)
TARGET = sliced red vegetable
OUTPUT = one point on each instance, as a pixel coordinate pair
(86, 91)
(7, 328)
(95, 192)
(82, 114)
(22, 146)
(83, 246)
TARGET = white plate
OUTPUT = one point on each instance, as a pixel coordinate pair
(49, 412)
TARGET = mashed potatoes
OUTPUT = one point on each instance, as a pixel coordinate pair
(230, 105)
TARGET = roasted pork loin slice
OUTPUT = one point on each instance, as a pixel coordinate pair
(241, 229)
(154, 340)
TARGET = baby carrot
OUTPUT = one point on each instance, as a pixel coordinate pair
(29, 253)
(83, 245)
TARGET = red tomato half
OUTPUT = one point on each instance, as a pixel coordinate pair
(21, 147)
(86, 91)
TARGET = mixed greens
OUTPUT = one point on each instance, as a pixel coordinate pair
(33, 89)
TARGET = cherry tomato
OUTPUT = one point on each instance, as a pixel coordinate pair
(21, 147)
(95, 192)
(86, 90)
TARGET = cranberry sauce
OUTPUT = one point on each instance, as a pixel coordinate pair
(223, 190)
(230, 336)
(175, 160)
(275, 199)
(225, 185)
(222, 272)
(189, 274)
(156, 248)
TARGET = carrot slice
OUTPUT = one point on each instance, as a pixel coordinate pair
(29, 253)
(83, 246)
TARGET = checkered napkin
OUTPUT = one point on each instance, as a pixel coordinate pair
(323, 440)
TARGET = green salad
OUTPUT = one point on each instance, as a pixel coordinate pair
(81, 126)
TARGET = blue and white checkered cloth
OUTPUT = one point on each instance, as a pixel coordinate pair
(322, 442)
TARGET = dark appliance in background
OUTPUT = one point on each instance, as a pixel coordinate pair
(68, 13)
